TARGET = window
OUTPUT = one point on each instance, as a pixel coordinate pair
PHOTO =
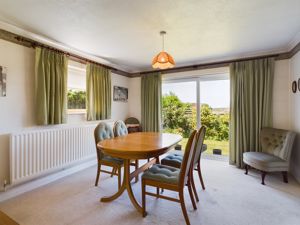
(190, 103)
(76, 88)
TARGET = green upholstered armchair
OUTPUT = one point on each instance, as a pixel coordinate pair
(276, 145)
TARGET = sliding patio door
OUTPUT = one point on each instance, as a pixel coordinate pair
(190, 103)
(179, 108)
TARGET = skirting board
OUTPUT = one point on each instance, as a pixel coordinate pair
(295, 173)
(29, 186)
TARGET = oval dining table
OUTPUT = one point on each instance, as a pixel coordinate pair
(140, 145)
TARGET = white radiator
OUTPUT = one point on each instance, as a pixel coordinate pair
(37, 152)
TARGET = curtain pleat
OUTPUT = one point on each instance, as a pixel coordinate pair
(251, 91)
(51, 86)
(151, 102)
(98, 89)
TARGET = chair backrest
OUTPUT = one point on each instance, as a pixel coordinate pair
(120, 128)
(277, 142)
(102, 131)
(199, 144)
(132, 120)
(187, 159)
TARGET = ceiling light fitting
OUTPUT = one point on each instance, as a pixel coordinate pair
(163, 60)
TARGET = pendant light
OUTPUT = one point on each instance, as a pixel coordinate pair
(163, 60)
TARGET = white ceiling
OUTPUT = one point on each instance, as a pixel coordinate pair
(126, 32)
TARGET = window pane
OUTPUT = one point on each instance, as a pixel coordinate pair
(76, 87)
(214, 105)
(179, 108)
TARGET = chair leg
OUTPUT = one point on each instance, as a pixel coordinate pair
(193, 186)
(285, 176)
(136, 168)
(98, 174)
(112, 172)
(143, 199)
(119, 178)
(157, 191)
(246, 168)
(263, 175)
(191, 195)
(183, 208)
(200, 175)
(157, 160)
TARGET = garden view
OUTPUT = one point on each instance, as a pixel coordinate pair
(180, 118)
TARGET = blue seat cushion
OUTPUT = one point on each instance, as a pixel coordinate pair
(162, 173)
(174, 160)
(114, 160)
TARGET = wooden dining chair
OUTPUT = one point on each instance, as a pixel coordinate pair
(171, 178)
(120, 129)
(175, 160)
(196, 160)
(101, 132)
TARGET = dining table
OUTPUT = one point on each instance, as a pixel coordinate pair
(135, 146)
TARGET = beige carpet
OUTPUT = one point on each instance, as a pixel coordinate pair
(231, 198)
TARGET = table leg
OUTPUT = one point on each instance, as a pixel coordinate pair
(127, 185)
(116, 195)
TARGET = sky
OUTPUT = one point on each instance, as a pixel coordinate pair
(215, 93)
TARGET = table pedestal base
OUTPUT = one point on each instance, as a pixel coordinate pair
(127, 185)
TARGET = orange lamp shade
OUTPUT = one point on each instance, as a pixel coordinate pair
(163, 61)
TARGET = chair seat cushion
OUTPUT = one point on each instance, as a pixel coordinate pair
(108, 158)
(162, 173)
(265, 162)
(174, 160)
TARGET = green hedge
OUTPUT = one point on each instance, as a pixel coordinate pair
(76, 99)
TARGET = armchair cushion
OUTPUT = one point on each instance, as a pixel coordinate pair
(265, 162)
(163, 173)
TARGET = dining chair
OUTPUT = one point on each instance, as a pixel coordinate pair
(171, 178)
(120, 129)
(175, 160)
(133, 125)
(104, 131)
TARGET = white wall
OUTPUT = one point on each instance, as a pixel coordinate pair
(119, 110)
(135, 98)
(295, 114)
(17, 108)
(281, 95)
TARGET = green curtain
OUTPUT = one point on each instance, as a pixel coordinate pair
(151, 102)
(98, 92)
(251, 90)
(51, 86)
